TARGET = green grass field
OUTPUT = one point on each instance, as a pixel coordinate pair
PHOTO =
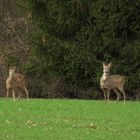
(50, 119)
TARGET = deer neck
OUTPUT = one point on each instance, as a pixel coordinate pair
(11, 75)
(105, 74)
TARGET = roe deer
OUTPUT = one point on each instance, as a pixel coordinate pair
(114, 82)
(15, 82)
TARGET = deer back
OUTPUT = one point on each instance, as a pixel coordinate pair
(20, 79)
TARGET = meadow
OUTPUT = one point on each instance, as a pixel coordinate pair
(63, 119)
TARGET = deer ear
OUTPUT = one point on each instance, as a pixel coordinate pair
(110, 64)
(103, 64)
(13, 68)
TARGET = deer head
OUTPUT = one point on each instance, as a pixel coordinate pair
(106, 67)
(12, 71)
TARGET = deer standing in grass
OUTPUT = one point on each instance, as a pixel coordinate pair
(15, 83)
(114, 82)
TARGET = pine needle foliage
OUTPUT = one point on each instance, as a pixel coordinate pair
(71, 38)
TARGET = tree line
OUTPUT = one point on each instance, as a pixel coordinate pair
(68, 41)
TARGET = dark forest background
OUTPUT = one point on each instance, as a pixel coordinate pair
(60, 45)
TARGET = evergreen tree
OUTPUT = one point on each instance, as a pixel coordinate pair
(71, 38)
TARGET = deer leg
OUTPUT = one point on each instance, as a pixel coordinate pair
(7, 94)
(108, 94)
(104, 92)
(26, 91)
(19, 94)
(118, 94)
(14, 98)
(123, 92)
